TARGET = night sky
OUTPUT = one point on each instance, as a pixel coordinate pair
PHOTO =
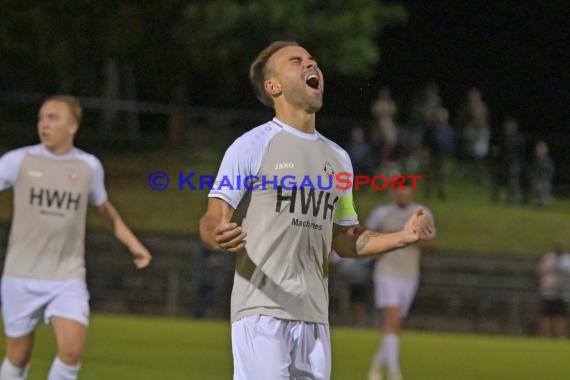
(517, 53)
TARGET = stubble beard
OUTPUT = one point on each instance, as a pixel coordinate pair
(313, 102)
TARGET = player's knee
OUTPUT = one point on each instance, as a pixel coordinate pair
(70, 355)
(18, 361)
(392, 328)
(18, 353)
(392, 322)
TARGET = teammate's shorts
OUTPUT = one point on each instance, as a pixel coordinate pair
(25, 301)
(269, 348)
(394, 292)
(553, 308)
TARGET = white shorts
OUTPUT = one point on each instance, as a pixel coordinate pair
(269, 348)
(394, 292)
(25, 301)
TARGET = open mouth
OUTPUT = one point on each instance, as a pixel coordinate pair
(313, 81)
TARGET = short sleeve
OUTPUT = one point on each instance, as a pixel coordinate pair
(97, 193)
(9, 168)
(240, 164)
(565, 263)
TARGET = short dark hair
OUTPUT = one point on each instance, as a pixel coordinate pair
(258, 70)
(72, 103)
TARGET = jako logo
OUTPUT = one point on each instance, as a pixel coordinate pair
(284, 165)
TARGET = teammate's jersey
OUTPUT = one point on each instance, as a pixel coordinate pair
(51, 193)
(553, 271)
(404, 262)
(283, 272)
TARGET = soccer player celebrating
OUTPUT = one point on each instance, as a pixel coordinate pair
(280, 296)
(396, 277)
(44, 271)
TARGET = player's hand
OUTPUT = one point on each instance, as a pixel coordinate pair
(418, 227)
(229, 237)
(142, 256)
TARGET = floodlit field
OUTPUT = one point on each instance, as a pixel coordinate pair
(142, 348)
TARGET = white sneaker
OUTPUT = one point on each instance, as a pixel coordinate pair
(395, 376)
(375, 371)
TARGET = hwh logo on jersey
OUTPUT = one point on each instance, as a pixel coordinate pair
(55, 198)
(310, 201)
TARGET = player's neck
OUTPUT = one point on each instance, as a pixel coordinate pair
(298, 119)
(60, 150)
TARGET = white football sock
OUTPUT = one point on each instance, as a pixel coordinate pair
(10, 372)
(380, 356)
(61, 371)
(391, 348)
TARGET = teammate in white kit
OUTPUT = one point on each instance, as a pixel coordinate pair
(396, 277)
(44, 270)
(279, 305)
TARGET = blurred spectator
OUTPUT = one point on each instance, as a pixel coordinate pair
(356, 273)
(420, 116)
(476, 139)
(553, 273)
(541, 174)
(424, 103)
(360, 152)
(474, 110)
(441, 144)
(385, 131)
(507, 154)
(473, 120)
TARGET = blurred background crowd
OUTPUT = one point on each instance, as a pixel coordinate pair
(428, 138)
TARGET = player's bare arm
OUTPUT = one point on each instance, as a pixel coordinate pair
(356, 241)
(113, 221)
(217, 230)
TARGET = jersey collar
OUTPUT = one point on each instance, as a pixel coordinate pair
(45, 152)
(295, 131)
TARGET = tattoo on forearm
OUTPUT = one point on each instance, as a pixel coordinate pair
(363, 240)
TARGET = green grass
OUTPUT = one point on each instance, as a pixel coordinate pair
(467, 222)
(143, 348)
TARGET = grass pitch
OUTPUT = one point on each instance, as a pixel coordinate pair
(143, 348)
